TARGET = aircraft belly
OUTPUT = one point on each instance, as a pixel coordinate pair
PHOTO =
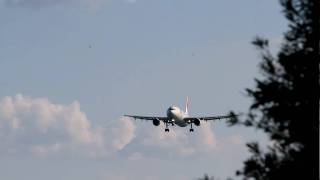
(180, 123)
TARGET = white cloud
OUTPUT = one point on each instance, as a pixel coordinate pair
(39, 126)
(122, 133)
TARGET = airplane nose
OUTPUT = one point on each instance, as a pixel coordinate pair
(169, 112)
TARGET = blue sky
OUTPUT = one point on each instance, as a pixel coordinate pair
(70, 69)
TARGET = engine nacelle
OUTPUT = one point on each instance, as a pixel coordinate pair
(156, 122)
(196, 122)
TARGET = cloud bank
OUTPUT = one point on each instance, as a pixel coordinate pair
(39, 126)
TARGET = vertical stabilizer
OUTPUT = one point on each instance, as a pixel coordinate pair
(187, 105)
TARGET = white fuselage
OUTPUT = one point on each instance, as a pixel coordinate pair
(177, 116)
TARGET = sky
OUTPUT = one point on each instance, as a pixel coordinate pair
(69, 70)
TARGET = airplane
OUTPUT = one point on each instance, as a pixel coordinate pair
(176, 116)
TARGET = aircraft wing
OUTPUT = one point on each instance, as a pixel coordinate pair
(164, 119)
(210, 118)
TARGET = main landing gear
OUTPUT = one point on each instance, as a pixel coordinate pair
(167, 127)
(191, 129)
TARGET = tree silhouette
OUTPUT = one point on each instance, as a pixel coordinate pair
(286, 101)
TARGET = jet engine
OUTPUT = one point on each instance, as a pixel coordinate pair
(156, 122)
(196, 122)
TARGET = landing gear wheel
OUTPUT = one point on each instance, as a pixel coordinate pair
(191, 130)
(166, 130)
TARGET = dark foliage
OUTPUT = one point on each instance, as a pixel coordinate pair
(286, 101)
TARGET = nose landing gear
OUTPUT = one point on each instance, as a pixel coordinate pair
(167, 128)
